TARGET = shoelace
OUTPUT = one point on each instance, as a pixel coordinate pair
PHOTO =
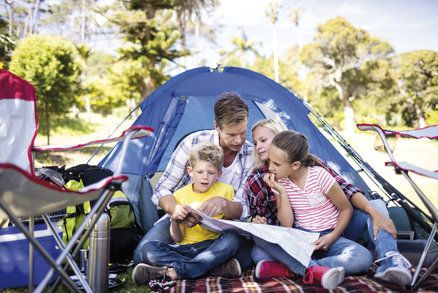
(160, 286)
(398, 259)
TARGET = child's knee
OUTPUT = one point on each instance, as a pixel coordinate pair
(232, 237)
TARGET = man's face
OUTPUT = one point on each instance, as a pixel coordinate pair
(204, 174)
(232, 136)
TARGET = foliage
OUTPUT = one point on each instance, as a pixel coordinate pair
(288, 69)
(343, 57)
(6, 44)
(49, 64)
(243, 52)
(154, 32)
(418, 76)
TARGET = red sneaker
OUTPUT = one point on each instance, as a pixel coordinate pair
(266, 269)
(329, 278)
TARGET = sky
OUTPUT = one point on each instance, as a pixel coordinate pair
(406, 25)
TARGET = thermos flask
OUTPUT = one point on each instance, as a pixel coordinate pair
(99, 255)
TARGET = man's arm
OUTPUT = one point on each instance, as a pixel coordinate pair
(359, 201)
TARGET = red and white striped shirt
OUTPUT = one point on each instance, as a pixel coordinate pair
(312, 209)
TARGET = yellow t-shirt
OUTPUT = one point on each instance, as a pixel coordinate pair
(186, 196)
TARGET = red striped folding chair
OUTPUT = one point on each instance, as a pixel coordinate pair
(405, 168)
(23, 195)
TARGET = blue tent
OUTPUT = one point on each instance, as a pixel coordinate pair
(185, 104)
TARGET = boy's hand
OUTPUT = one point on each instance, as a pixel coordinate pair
(213, 206)
(180, 213)
(259, 220)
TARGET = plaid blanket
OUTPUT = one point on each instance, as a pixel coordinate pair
(247, 283)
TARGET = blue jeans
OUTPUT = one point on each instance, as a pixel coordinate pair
(193, 260)
(353, 257)
(161, 232)
(361, 222)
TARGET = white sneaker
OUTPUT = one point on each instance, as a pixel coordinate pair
(394, 268)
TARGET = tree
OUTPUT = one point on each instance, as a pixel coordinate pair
(337, 57)
(272, 12)
(49, 64)
(418, 79)
(154, 33)
(295, 17)
(6, 43)
(244, 50)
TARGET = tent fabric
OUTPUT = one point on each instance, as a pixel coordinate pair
(18, 120)
(185, 104)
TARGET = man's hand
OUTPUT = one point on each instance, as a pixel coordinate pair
(190, 221)
(179, 213)
(324, 242)
(213, 206)
(259, 220)
(381, 222)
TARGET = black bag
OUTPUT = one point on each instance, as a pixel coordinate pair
(124, 234)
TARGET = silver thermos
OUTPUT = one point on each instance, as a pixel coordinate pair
(97, 272)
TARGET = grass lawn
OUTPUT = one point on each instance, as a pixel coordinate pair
(420, 152)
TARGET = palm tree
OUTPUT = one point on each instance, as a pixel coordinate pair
(272, 11)
(295, 17)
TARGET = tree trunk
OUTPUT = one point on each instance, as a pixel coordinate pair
(35, 17)
(47, 118)
(420, 115)
(348, 109)
(348, 118)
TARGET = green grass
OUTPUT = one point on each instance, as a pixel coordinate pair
(128, 287)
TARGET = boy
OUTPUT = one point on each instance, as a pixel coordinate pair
(186, 258)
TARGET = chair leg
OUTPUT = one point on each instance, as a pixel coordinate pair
(426, 274)
(73, 265)
(31, 254)
(98, 208)
(415, 284)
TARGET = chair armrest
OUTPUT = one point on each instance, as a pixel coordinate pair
(139, 132)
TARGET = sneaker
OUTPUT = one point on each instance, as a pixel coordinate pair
(229, 269)
(394, 268)
(329, 278)
(266, 269)
(143, 273)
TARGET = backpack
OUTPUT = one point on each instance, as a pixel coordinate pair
(124, 235)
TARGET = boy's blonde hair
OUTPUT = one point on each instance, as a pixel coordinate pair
(208, 152)
(276, 126)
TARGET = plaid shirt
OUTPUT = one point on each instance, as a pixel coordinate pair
(175, 175)
(262, 201)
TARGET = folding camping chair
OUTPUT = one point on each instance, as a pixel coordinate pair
(404, 168)
(23, 195)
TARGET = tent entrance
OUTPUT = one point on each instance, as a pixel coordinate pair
(198, 115)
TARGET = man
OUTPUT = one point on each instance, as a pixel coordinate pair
(230, 126)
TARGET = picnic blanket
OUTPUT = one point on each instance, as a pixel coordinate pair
(247, 284)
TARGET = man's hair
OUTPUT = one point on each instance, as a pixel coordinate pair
(230, 109)
(208, 152)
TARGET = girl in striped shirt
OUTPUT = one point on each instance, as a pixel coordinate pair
(309, 198)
